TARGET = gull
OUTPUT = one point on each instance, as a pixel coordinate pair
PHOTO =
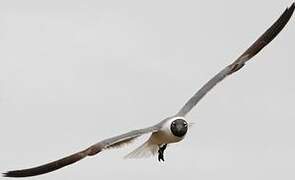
(170, 130)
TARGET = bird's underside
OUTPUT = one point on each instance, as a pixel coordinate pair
(116, 141)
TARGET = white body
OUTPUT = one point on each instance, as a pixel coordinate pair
(151, 146)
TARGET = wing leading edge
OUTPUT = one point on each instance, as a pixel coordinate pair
(257, 46)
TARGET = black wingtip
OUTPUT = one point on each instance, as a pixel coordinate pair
(289, 11)
(291, 8)
(5, 174)
(8, 174)
(14, 174)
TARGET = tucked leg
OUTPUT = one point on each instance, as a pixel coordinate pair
(161, 152)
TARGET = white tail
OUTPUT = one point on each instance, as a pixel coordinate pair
(145, 150)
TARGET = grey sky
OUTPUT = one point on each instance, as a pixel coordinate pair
(75, 72)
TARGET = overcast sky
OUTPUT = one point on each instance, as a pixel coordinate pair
(75, 72)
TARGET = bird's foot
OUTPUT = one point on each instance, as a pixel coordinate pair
(161, 152)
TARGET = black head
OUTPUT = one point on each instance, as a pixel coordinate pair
(178, 127)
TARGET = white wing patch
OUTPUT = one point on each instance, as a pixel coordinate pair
(144, 151)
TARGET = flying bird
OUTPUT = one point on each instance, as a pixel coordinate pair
(170, 130)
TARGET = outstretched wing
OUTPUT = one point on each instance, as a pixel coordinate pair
(258, 45)
(92, 150)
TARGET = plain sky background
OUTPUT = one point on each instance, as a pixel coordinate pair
(75, 72)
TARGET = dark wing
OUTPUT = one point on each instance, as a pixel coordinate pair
(259, 44)
(92, 150)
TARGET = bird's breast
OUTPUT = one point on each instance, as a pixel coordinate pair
(164, 136)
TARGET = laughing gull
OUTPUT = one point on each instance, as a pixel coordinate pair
(170, 130)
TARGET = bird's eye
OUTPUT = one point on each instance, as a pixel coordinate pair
(173, 123)
(185, 124)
